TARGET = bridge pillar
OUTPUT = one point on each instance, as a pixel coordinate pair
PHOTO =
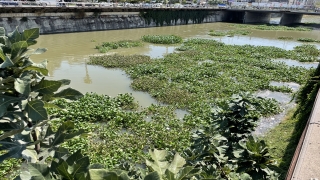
(256, 17)
(288, 18)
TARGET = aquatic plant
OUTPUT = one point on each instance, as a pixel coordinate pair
(307, 40)
(207, 68)
(120, 61)
(229, 33)
(162, 39)
(285, 37)
(271, 27)
(106, 46)
(306, 53)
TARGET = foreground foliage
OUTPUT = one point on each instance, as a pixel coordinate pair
(25, 95)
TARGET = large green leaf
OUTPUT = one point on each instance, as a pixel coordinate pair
(2, 55)
(177, 163)
(7, 61)
(74, 157)
(64, 82)
(47, 86)
(60, 153)
(22, 85)
(14, 149)
(69, 93)
(102, 174)
(63, 170)
(30, 35)
(30, 155)
(61, 135)
(10, 133)
(159, 163)
(43, 71)
(15, 36)
(2, 31)
(81, 166)
(36, 171)
(43, 64)
(169, 175)
(152, 176)
(5, 101)
(36, 111)
(187, 172)
(18, 49)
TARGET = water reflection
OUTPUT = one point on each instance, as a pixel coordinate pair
(102, 81)
(87, 78)
(159, 51)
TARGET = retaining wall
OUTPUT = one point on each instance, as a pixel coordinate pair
(50, 23)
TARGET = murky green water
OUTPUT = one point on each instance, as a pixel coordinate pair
(68, 53)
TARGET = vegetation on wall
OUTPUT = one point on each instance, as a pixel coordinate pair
(161, 17)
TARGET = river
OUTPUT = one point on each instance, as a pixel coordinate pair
(68, 53)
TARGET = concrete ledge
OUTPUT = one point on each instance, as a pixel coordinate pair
(308, 163)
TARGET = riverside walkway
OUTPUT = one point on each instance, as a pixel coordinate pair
(305, 164)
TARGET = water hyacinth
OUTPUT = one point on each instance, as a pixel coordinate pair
(162, 39)
(271, 27)
(207, 69)
(229, 33)
(308, 40)
(120, 61)
(285, 37)
(106, 46)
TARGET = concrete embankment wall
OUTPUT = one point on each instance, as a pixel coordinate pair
(50, 23)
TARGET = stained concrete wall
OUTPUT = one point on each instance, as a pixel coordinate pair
(50, 23)
(287, 18)
(256, 17)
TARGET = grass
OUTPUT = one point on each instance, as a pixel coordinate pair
(279, 140)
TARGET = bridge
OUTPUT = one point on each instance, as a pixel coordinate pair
(263, 16)
(247, 16)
